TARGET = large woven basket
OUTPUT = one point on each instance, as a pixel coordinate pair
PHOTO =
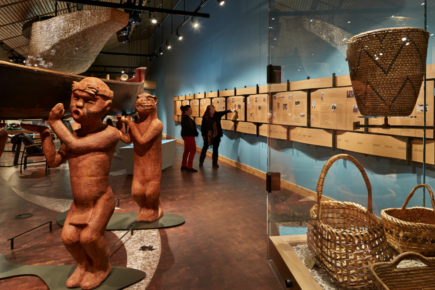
(386, 68)
(386, 276)
(411, 229)
(346, 237)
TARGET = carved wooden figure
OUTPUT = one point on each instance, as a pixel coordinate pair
(89, 152)
(146, 135)
(3, 138)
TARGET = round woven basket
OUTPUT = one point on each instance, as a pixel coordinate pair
(345, 237)
(411, 229)
(386, 69)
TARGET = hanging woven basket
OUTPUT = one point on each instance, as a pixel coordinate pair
(411, 229)
(387, 276)
(386, 69)
(344, 236)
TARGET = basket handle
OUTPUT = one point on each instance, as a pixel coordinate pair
(411, 256)
(412, 193)
(325, 170)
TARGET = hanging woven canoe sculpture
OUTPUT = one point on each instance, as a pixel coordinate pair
(386, 68)
(70, 43)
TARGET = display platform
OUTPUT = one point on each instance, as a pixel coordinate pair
(55, 276)
(168, 153)
(123, 221)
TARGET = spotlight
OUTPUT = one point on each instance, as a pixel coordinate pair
(221, 2)
(180, 37)
(123, 71)
(168, 46)
(194, 23)
(125, 30)
(160, 51)
(134, 17)
(153, 18)
(123, 34)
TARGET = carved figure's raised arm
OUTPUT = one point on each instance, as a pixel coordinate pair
(53, 159)
(126, 138)
(152, 133)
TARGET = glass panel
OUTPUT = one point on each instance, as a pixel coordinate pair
(313, 107)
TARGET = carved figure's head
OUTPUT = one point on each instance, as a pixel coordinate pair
(146, 103)
(90, 100)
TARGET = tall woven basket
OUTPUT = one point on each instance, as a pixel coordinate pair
(387, 276)
(411, 229)
(345, 237)
(386, 69)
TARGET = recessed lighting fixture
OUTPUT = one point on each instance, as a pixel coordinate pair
(273, 19)
(160, 51)
(311, 20)
(180, 37)
(404, 39)
(392, 16)
(221, 2)
(24, 61)
(407, 43)
(194, 22)
(422, 3)
(153, 18)
(168, 46)
(348, 22)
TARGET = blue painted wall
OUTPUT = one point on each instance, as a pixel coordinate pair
(230, 50)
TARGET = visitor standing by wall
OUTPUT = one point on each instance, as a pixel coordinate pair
(211, 130)
(188, 133)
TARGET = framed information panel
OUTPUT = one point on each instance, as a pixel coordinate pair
(236, 103)
(417, 117)
(194, 104)
(219, 104)
(334, 108)
(257, 108)
(203, 103)
(177, 108)
(290, 108)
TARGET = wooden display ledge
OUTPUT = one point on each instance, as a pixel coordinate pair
(288, 264)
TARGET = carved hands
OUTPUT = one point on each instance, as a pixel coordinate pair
(56, 113)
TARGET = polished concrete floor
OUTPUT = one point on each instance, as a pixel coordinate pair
(222, 245)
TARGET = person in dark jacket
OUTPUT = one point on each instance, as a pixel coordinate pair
(211, 130)
(188, 133)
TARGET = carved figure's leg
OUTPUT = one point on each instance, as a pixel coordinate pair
(71, 240)
(147, 196)
(95, 244)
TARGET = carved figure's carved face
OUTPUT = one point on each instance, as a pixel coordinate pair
(146, 103)
(87, 109)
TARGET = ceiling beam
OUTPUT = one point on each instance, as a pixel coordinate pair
(138, 8)
(348, 11)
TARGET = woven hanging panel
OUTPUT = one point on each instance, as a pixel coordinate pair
(345, 237)
(70, 43)
(411, 229)
(386, 68)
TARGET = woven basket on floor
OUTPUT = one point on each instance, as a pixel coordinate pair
(386, 68)
(411, 229)
(386, 276)
(346, 237)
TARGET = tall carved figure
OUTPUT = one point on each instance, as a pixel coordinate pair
(146, 134)
(3, 138)
(89, 152)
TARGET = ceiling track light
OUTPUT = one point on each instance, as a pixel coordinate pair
(221, 2)
(153, 19)
(168, 46)
(160, 51)
(194, 22)
(180, 37)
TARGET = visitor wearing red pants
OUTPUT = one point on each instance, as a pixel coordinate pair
(188, 132)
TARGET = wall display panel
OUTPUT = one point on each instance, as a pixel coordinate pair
(311, 84)
(290, 108)
(417, 113)
(185, 102)
(190, 97)
(211, 95)
(175, 98)
(200, 96)
(311, 136)
(273, 88)
(246, 127)
(194, 104)
(228, 125)
(226, 93)
(417, 151)
(246, 91)
(181, 98)
(236, 103)
(203, 103)
(198, 121)
(274, 131)
(219, 104)
(177, 107)
(257, 108)
(334, 108)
